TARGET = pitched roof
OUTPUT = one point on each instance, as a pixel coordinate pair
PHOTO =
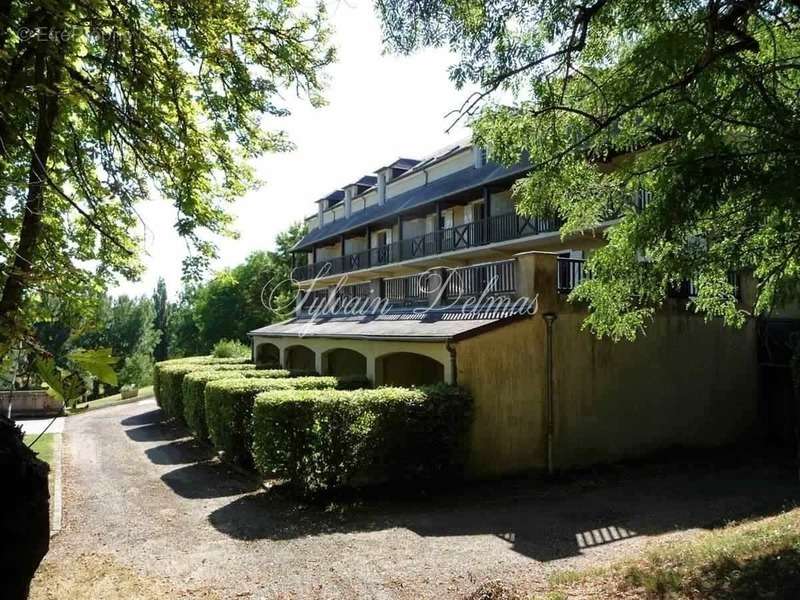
(409, 326)
(460, 181)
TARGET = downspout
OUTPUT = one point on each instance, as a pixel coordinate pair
(451, 348)
(548, 389)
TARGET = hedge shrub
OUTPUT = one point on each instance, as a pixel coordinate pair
(229, 408)
(193, 388)
(321, 439)
(189, 360)
(168, 381)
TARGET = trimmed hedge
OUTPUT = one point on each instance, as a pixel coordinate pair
(194, 385)
(189, 360)
(322, 439)
(229, 408)
(168, 380)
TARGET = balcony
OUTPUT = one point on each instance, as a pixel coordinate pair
(450, 287)
(569, 273)
(499, 228)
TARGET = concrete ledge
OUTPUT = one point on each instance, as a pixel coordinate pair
(29, 403)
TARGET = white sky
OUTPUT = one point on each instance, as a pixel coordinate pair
(380, 107)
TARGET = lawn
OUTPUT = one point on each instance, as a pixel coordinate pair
(752, 559)
(44, 447)
(115, 399)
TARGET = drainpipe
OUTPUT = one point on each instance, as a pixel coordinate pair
(451, 348)
(548, 389)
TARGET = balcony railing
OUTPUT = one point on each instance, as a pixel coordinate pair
(498, 228)
(570, 272)
(497, 278)
(406, 291)
(687, 288)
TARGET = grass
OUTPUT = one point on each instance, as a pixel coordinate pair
(113, 400)
(44, 447)
(91, 575)
(753, 559)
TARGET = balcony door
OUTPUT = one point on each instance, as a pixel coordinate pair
(477, 227)
(382, 241)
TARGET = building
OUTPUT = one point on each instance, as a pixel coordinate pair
(425, 273)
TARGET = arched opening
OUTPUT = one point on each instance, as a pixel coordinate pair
(300, 358)
(408, 368)
(268, 355)
(343, 361)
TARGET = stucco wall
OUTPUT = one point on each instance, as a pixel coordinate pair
(504, 371)
(684, 383)
(372, 350)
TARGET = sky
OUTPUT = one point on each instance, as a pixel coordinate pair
(380, 107)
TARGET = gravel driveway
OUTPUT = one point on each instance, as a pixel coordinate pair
(145, 497)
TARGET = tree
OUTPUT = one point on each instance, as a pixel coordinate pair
(235, 301)
(161, 307)
(108, 103)
(184, 335)
(126, 326)
(695, 102)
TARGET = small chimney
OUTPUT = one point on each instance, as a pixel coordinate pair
(320, 211)
(478, 156)
(384, 176)
(349, 192)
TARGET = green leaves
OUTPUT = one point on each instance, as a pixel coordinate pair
(697, 103)
(62, 384)
(67, 384)
(166, 104)
(99, 362)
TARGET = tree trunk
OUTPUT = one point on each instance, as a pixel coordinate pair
(47, 75)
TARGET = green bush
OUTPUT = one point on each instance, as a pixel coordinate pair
(322, 439)
(168, 381)
(189, 360)
(230, 349)
(194, 384)
(229, 408)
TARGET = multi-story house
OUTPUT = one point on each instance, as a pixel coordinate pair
(424, 272)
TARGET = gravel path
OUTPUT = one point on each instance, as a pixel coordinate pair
(144, 496)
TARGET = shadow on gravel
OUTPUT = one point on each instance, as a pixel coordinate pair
(208, 480)
(145, 418)
(155, 432)
(179, 452)
(276, 516)
(542, 520)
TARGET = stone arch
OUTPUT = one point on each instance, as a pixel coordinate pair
(408, 368)
(268, 355)
(343, 361)
(301, 358)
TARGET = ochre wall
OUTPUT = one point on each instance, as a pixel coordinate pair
(684, 383)
(504, 371)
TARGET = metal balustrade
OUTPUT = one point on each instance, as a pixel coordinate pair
(355, 290)
(570, 272)
(314, 299)
(410, 290)
(495, 278)
(498, 228)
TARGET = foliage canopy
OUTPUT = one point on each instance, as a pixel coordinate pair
(696, 102)
(104, 104)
